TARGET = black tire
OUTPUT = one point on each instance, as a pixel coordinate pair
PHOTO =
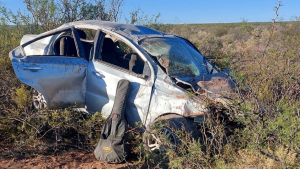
(38, 100)
(165, 127)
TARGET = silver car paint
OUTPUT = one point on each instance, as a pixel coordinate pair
(62, 80)
(59, 79)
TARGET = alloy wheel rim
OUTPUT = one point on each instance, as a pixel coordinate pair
(154, 142)
(38, 99)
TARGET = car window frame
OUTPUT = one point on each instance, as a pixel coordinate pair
(98, 43)
(78, 44)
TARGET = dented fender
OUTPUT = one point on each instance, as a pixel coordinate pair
(167, 98)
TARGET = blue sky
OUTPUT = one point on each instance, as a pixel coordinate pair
(202, 11)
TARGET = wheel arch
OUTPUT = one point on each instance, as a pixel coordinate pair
(164, 116)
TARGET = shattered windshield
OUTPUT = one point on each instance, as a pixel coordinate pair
(179, 58)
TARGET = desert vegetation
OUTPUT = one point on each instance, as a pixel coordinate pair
(264, 59)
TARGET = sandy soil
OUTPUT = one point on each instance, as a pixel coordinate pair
(66, 160)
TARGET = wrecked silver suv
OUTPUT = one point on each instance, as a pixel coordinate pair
(79, 64)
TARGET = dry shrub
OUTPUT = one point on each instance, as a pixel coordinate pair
(264, 59)
(47, 131)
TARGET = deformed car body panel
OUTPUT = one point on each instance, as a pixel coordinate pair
(168, 98)
(101, 89)
(102, 78)
(91, 83)
(217, 85)
(60, 79)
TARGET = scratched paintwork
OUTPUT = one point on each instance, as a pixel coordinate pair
(66, 81)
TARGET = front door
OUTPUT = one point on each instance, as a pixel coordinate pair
(113, 61)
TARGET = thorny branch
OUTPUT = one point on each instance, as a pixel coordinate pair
(276, 9)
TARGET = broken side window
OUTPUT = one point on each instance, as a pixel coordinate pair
(38, 47)
(86, 34)
(60, 44)
(64, 45)
(118, 53)
(87, 37)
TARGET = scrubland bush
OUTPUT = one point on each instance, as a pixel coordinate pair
(44, 131)
(264, 59)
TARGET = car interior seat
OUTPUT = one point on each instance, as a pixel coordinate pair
(132, 61)
(139, 65)
(67, 46)
(108, 52)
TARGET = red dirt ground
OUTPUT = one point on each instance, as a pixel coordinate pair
(67, 160)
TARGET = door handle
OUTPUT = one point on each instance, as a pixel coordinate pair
(98, 74)
(32, 68)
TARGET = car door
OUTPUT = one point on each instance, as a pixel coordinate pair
(42, 64)
(102, 79)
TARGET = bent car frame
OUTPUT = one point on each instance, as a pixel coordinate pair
(80, 63)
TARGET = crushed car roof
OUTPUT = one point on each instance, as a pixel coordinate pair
(131, 31)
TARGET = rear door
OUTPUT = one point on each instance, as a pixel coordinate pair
(54, 63)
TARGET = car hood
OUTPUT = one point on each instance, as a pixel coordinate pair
(218, 87)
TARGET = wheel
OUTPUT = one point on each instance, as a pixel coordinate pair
(162, 133)
(38, 100)
(160, 141)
